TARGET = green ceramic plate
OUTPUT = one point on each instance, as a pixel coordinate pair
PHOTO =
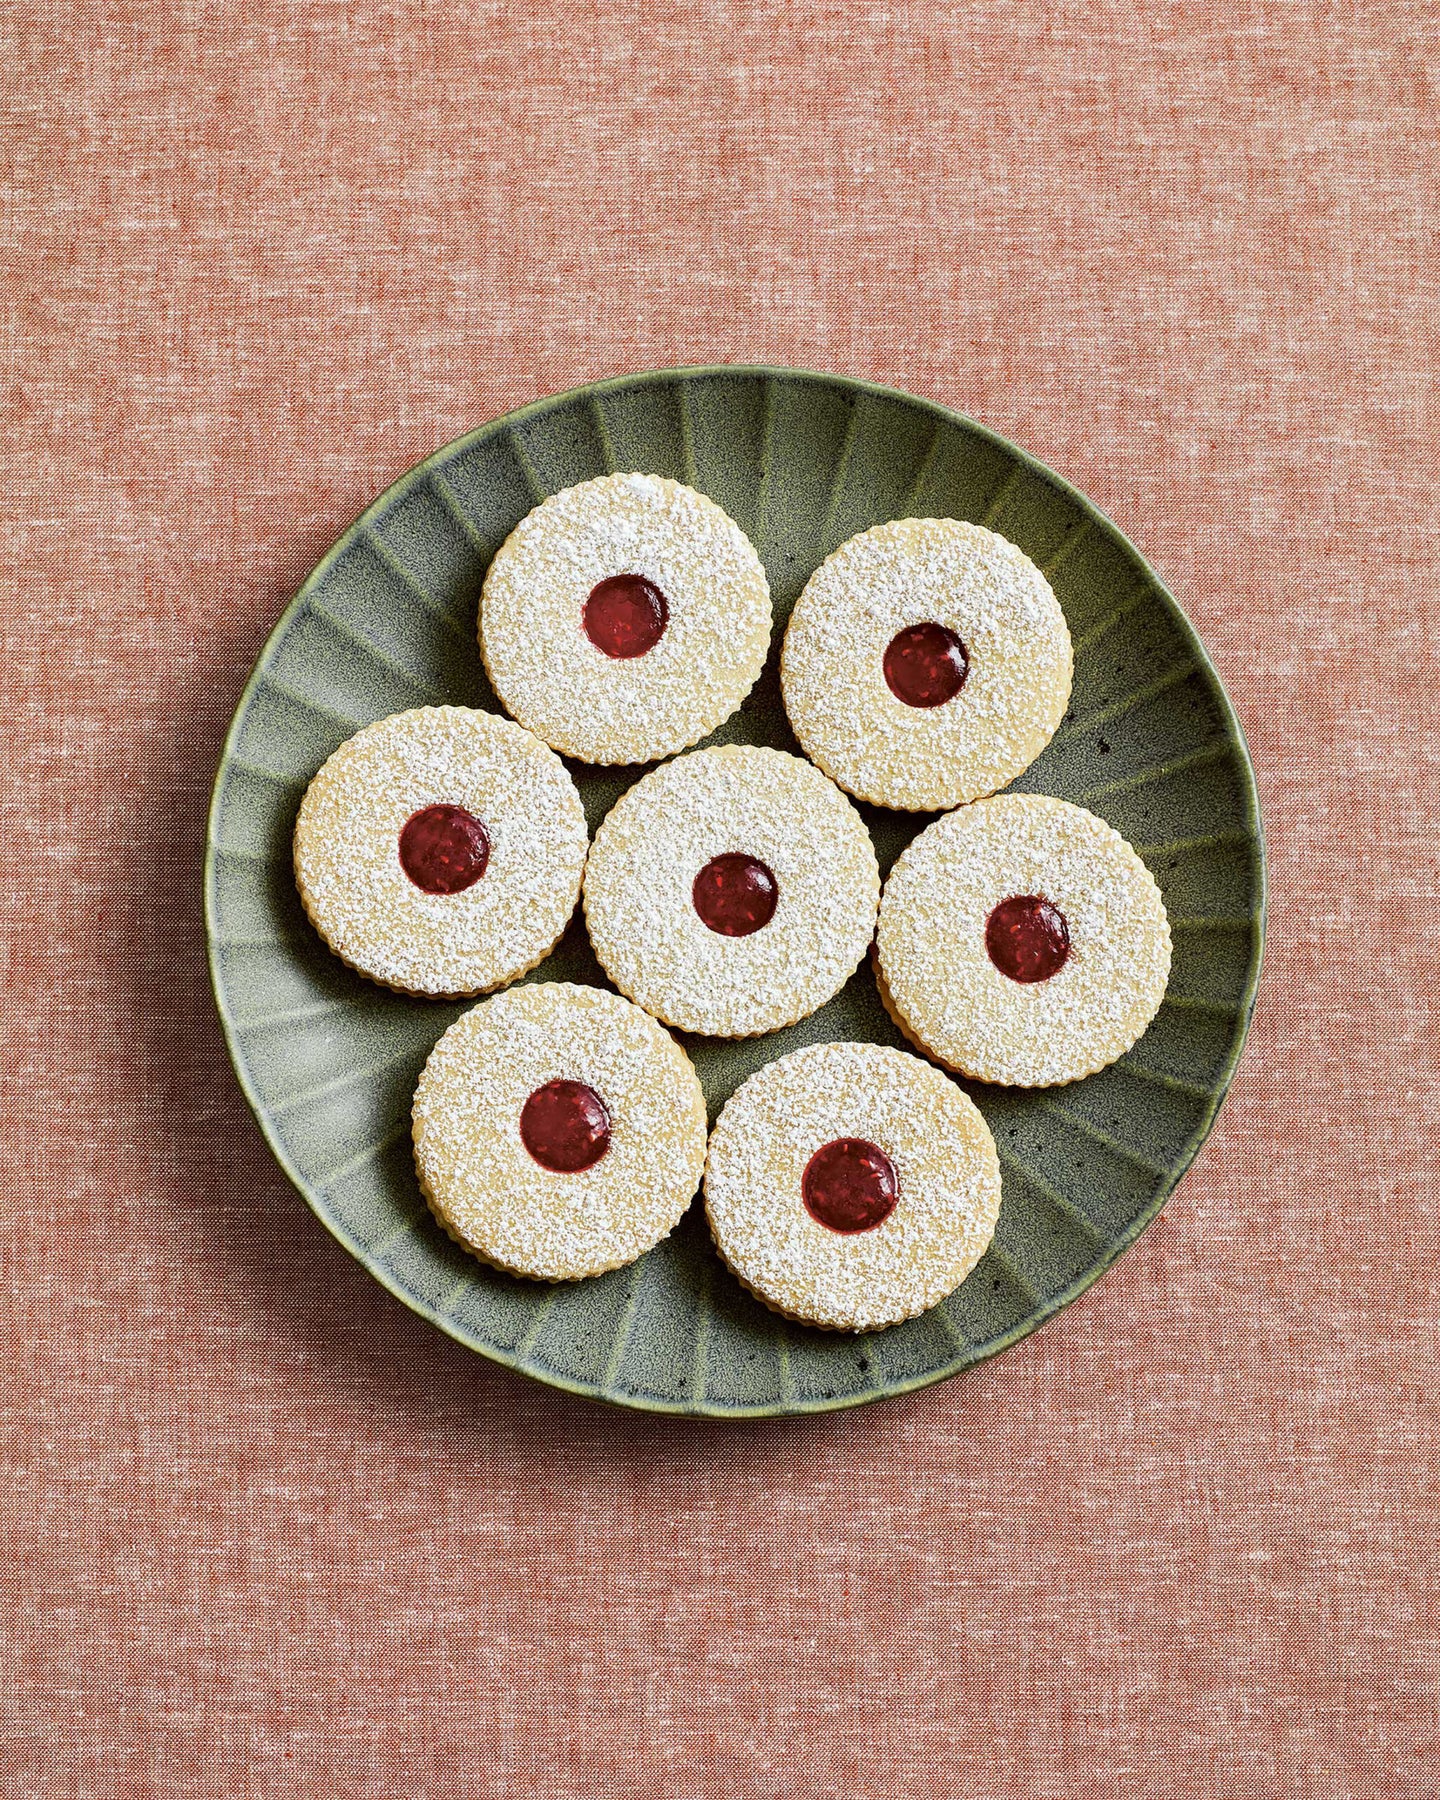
(802, 461)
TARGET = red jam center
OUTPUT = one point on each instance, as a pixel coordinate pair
(849, 1184)
(926, 665)
(625, 616)
(444, 849)
(565, 1127)
(1028, 938)
(735, 895)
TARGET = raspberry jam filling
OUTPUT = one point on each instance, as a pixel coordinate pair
(735, 895)
(625, 616)
(565, 1127)
(1028, 938)
(444, 849)
(926, 665)
(849, 1185)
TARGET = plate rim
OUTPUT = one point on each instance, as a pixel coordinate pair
(1244, 1011)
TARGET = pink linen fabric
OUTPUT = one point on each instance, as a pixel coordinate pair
(266, 1534)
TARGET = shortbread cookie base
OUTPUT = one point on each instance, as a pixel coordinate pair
(661, 833)
(482, 1184)
(937, 979)
(359, 898)
(421, 993)
(625, 710)
(945, 1161)
(910, 572)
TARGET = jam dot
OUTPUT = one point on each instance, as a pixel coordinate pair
(625, 616)
(735, 895)
(926, 665)
(444, 849)
(1028, 938)
(849, 1184)
(565, 1127)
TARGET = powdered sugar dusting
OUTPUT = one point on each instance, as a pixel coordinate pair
(940, 979)
(482, 1183)
(909, 572)
(661, 833)
(608, 710)
(945, 1162)
(360, 899)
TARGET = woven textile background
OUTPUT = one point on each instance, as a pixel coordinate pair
(265, 1534)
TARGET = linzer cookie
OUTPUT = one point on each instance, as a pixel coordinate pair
(731, 891)
(440, 851)
(926, 663)
(850, 1186)
(1022, 940)
(559, 1131)
(624, 618)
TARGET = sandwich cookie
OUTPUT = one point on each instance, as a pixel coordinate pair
(850, 1186)
(624, 618)
(559, 1131)
(1022, 941)
(926, 663)
(440, 851)
(732, 891)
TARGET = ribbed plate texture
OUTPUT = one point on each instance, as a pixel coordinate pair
(387, 622)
